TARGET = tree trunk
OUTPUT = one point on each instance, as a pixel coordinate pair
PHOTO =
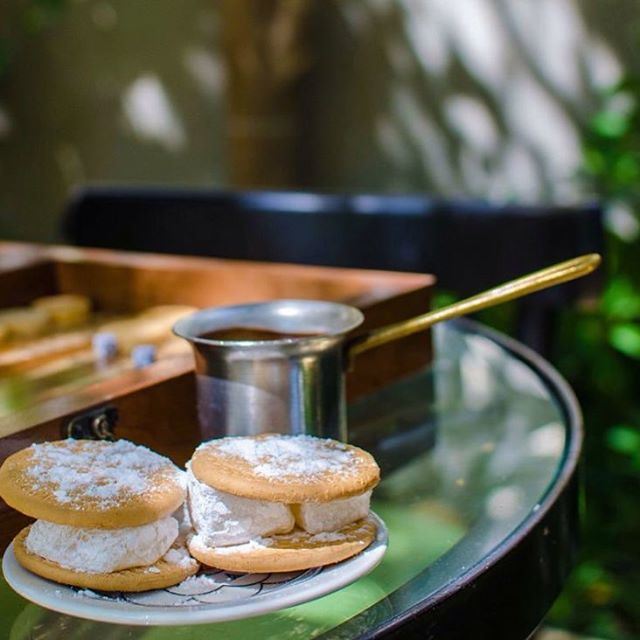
(268, 54)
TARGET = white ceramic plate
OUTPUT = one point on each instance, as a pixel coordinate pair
(211, 596)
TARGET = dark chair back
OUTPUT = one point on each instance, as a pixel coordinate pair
(468, 245)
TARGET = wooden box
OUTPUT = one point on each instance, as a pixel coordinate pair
(156, 405)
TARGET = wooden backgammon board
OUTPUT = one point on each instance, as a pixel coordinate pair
(52, 385)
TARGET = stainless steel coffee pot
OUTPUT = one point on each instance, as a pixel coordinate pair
(296, 385)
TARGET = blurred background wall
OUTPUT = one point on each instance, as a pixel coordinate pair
(486, 98)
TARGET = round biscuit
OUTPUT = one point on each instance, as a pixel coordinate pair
(25, 322)
(67, 310)
(282, 468)
(164, 574)
(294, 551)
(92, 484)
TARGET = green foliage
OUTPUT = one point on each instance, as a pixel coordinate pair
(23, 20)
(599, 351)
(625, 337)
(625, 440)
(40, 14)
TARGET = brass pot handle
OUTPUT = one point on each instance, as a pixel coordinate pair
(536, 281)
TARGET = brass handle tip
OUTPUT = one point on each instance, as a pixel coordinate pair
(595, 259)
(542, 279)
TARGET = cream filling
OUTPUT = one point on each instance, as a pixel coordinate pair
(221, 519)
(102, 550)
(318, 517)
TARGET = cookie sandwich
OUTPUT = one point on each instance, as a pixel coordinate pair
(275, 503)
(105, 514)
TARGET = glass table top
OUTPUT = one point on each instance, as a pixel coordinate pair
(469, 450)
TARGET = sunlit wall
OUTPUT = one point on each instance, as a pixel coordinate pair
(485, 98)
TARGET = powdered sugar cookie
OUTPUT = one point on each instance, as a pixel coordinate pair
(295, 551)
(87, 483)
(171, 568)
(281, 468)
(105, 514)
(280, 502)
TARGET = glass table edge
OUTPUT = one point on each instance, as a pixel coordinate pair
(569, 407)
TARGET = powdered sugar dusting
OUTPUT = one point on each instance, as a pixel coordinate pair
(87, 593)
(246, 547)
(179, 556)
(201, 581)
(329, 536)
(104, 473)
(277, 456)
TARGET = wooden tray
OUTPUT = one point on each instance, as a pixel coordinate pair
(156, 405)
